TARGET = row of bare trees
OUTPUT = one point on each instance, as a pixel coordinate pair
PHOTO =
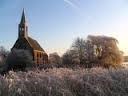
(94, 51)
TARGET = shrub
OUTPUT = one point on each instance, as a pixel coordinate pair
(19, 60)
(54, 58)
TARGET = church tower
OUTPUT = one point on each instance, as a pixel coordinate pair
(25, 42)
(23, 28)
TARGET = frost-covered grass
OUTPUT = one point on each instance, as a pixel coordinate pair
(65, 82)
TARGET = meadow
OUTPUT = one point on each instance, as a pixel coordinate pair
(66, 82)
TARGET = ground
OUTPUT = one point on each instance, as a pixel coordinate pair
(66, 82)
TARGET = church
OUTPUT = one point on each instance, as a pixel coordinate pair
(27, 43)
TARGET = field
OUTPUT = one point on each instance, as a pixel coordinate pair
(66, 82)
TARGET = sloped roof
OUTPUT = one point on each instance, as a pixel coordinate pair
(34, 44)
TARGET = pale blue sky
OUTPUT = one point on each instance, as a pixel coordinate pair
(56, 23)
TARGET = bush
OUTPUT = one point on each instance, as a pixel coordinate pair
(65, 82)
(19, 60)
(54, 58)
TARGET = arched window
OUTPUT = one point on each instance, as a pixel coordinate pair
(40, 55)
(26, 29)
(37, 58)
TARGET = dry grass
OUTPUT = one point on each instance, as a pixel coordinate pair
(65, 82)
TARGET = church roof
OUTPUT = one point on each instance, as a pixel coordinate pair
(34, 44)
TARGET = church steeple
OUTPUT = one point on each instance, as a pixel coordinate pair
(23, 28)
(23, 19)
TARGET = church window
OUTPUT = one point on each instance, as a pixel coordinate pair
(26, 29)
(40, 55)
(37, 58)
(37, 55)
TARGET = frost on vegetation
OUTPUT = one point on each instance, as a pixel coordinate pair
(65, 82)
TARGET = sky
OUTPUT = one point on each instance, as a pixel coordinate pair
(56, 23)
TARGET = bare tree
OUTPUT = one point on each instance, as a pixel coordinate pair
(3, 54)
(70, 58)
(78, 50)
(94, 51)
(81, 53)
(106, 51)
(54, 58)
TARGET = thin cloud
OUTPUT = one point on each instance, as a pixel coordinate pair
(74, 4)
(70, 3)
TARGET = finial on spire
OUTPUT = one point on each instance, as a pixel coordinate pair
(23, 20)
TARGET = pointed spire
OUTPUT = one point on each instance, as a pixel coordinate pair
(23, 20)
